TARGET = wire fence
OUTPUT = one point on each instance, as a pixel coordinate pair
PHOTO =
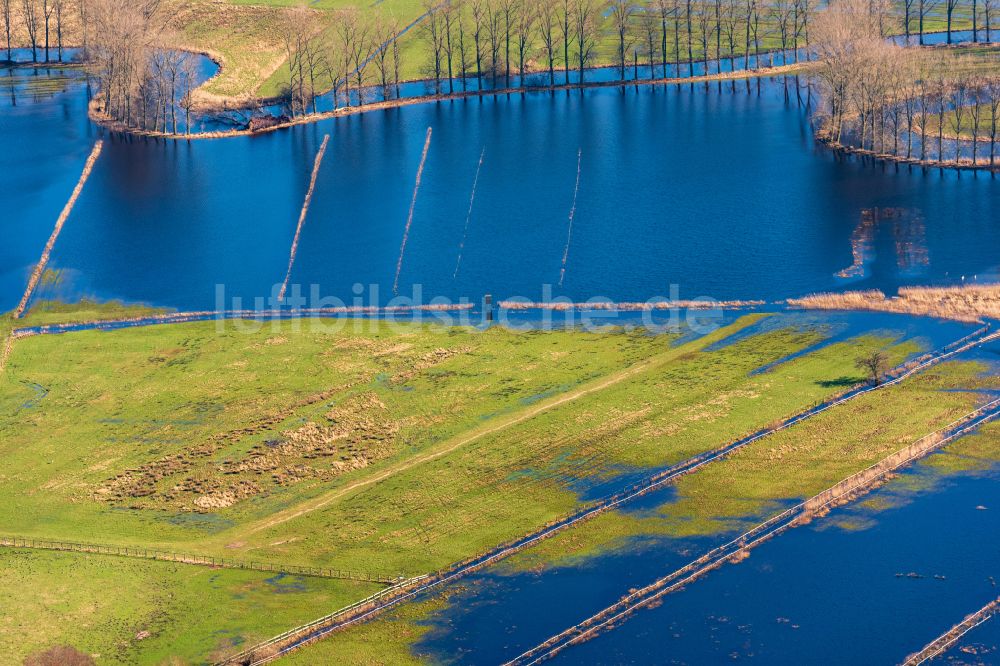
(281, 644)
(140, 552)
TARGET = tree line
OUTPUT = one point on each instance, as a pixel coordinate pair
(42, 22)
(901, 102)
(467, 43)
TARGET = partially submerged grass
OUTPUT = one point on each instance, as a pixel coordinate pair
(57, 312)
(787, 466)
(733, 494)
(396, 448)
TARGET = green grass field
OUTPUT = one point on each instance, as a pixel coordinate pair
(732, 494)
(394, 449)
(125, 611)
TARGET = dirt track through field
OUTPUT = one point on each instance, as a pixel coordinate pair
(317, 630)
(454, 445)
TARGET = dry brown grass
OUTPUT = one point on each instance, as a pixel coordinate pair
(962, 303)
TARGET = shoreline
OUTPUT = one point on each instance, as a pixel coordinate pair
(104, 121)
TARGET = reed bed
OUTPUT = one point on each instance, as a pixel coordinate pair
(409, 217)
(468, 216)
(628, 306)
(970, 303)
(302, 215)
(36, 274)
(572, 214)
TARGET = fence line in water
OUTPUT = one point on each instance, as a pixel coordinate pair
(302, 215)
(950, 637)
(572, 213)
(409, 218)
(738, 548)
(468, 216)
(36, 274)
(357, 614)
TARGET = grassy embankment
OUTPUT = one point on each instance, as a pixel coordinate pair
(730, 495)
(371, 450)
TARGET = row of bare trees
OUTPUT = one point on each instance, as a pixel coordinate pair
(42, 22)
(344, 53)
(492, 41)
(142, 82)
(900, 102)
(495, 38)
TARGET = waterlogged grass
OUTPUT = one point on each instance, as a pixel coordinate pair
(125, 611)
(738, 492)
(127, 399)
(760, 479)
(513, 480)
(371, 446)
(58, 312)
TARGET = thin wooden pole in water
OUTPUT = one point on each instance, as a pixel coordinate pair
(302, 215)
(409, 218)
(468, 216)
(36, 274)
(572, 213)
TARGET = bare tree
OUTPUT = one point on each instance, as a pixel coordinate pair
(874, 365)
(988, 6)
(29, 12)
(525, 25)
(478, 18)
(8, 15)
(47, 9)
(58, 4)
(82, 7)
(688, 18)
(750, 16)
(188, 79)
(508, 10)
(907, 14)
(924, 9)
(950, 6)
(494, 33)
(781, 17)
(449, 14)
(993, 95)
(622, 12)
(959, 99)
(977, 90)
(650, 24)
(730, 20)
(384, 33)
(565, 31)
(586, 31)
(297, 33)
(547, 22)
(704, 19)
(463, 50)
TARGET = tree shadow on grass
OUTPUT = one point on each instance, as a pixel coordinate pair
(839, 382)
